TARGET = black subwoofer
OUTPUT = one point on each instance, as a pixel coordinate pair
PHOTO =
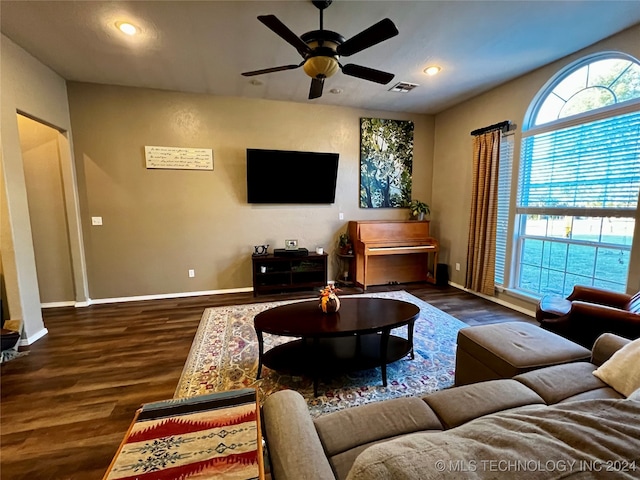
(442, 274)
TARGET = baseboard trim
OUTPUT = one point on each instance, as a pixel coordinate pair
(57, 304)
(499, 301)
(25, 342)
(99, 301)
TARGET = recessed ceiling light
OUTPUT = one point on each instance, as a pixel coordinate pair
(432, 70)
(127, 28)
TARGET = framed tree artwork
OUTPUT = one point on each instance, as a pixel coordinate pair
(386, 162)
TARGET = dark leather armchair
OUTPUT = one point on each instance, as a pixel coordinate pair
(589, 312)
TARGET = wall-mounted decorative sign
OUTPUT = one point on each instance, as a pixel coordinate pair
(177, 158)
(386, 163)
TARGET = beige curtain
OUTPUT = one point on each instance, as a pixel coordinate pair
(481, 251)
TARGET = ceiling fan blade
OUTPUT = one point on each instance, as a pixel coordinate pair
(381, 31)
(367, 73)
(271, 70)
(283, 31)
(316, 88)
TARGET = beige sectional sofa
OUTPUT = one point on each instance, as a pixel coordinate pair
(554, 414)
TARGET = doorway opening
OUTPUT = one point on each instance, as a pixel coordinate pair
(44, 181)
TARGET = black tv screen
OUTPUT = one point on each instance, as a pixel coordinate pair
(283, 176)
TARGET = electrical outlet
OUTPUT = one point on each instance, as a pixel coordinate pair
(458, 267)
(192, 273)
(96, 220)
(341, 216)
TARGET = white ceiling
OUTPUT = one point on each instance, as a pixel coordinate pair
(203, 46)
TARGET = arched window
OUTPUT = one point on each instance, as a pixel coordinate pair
(599, 82)
(579, 178)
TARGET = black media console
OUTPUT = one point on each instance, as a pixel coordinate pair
(273, 274)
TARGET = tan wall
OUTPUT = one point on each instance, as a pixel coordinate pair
(28, 86)
(453, 151)
(158, 224)
(7, 256)
(47, 214)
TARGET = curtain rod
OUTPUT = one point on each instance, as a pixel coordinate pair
(504, 126)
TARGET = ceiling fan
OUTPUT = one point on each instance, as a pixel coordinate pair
(321, 50)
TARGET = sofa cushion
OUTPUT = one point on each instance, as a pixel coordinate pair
(346, 433)
(596, 394)
(342, 462)
(561, 382)
(622, 372)
(345, 429)
(568, 436)
(458, 405)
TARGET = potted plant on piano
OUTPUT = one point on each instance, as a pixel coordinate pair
(418, 209)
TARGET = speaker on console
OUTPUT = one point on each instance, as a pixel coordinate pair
(281, 252)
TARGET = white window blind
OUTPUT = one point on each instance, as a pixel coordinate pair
(504, 189)
(593, 166)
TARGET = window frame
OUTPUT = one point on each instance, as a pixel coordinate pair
(534, 107)
(518, 215)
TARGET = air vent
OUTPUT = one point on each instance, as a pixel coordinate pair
(403, 87)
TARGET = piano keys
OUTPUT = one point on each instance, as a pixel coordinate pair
(393, 251)
(399, 250)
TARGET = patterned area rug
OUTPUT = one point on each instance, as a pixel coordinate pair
(224, 356)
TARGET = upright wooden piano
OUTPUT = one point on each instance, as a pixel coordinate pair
(392, 251)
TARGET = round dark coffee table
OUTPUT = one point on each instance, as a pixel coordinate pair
(357, 337)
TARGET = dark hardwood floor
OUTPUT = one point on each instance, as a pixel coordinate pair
(67, 404)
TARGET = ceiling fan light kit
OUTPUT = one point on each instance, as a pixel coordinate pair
(321, 67)
(321, 50)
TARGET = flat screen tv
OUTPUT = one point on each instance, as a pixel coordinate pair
(283, 176)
